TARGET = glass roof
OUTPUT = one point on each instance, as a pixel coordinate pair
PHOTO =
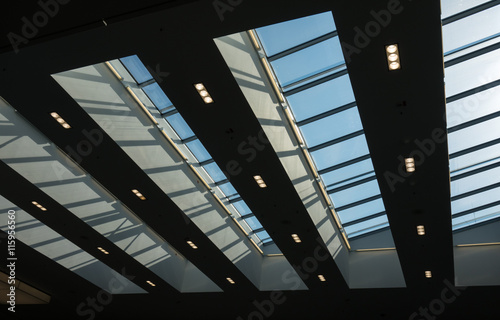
(307, 59)
(471, 43)
(187, 137)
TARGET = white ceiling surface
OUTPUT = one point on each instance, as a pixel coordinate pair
(107, 101)
(38, 236)
(384, 267)
(30, 153)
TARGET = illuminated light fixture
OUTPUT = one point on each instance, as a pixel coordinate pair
(310, 162)
(39, 206)
(253, 37)
(336, 218)
(172, 143)
(151, 284)
(325, 195)
(143, 107)
(479, 244)
(428, 274)
(392, 52)
(222, 204)
(204, 93)
(113, 70)
(271, 78)
(374, 249)
(296, 238)
(192, 244)
(410, 164)
(346, 240)
(60, 120)
(230, 280)
(138, 194)
(102, 250)
(321, 278)
(240, 226)
(420, 230)
(289, 117)
(260, 181)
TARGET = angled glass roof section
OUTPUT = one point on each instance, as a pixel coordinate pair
(186, 137)
(307, 60)
(471, 41)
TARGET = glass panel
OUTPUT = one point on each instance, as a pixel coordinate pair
(340, 152)
(320, 57)
(476, 157)
(361, 211)
(214, 171)
(474, 201)
(357, 193)
(347, 172)
(475, 181)
(136, 69)
(475, 217)
(473, 106)
(157, 96)
(474, 135)
(321, 98)
(198, 150)
(228, 189)
(332, 127)
(180, 126)
(264, 236)
(472, 73)
(253, 223)
(242, 207)
(367, 226)
(451, 7)
(470, 29)
(282, 36)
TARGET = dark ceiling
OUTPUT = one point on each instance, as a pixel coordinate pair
(396, 108)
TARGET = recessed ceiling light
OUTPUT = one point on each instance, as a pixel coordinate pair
(392, 52)
(203, 92)
(410, 164)
(260, 181)
(420, 230)
(296, 238)
(138, 194)
(151, 284)
(39, 206)
(230, 280)
(321, 278)
(428, 274)
(102, 250)
(60, 120)
(192, 244)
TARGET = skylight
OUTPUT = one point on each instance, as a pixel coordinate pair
(471, 43)
(306, 58)
(186, 137)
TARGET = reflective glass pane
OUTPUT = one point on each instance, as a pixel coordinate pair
(340, 152)
(475, 200)
(264, 236)
(282, 36)
(476, 217)
(228, 189)
(472, 73)
(473, 106)
(474, 135)
(321, 57)
(473, 158)
(242, 207)
(367, 226)
(361, 211)
(198, 150)
(214, 171)
(136, 69)
(253, 223)
(451, 7)
(356, 193)
(180, 126)
(470, 29)
(332, 127)
(475, 181)
(333, 177)
(157, 96)
(321, 98)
